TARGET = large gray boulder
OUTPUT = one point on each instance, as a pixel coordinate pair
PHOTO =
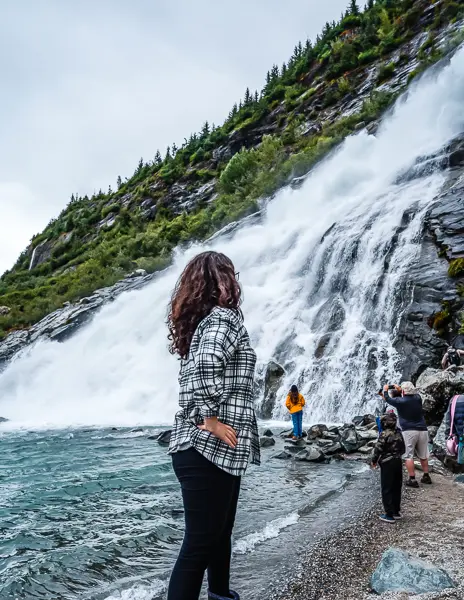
(311, 454)
(349, 439)
(317, 431)
(436, 388)
(400, 571)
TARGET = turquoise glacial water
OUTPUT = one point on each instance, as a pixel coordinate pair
(97, 515)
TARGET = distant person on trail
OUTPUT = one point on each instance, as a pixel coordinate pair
(452, 358)
(215, 434)
(388, 452)
(295, 404)
(414, 429)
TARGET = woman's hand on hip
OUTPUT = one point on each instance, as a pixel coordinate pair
(221, 431)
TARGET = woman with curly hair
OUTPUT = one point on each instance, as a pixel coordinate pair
(215, 434)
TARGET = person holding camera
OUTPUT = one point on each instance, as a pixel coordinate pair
(408, 403)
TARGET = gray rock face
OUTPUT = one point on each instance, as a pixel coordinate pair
(418, 343)
(272, 382)
(400, 571)
(267, 442)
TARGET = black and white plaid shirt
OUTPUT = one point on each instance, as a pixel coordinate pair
(216, 380)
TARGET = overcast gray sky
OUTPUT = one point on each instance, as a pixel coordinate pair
(90, 86)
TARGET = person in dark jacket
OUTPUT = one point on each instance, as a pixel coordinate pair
(414, 429)
(458, 421)
(387, 454)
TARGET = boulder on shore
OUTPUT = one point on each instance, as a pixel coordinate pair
(266, 442)
(400, 571)
(437, 388)
(268, 433)
(3, 420)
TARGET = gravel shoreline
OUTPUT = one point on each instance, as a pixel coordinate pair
(339, 566)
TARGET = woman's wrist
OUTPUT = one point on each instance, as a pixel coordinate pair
(211, 423)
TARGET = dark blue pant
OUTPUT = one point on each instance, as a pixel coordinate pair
(297, 419)
(210, 498)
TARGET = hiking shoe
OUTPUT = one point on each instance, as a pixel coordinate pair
(412, 483)
(387, 519)
(398, 516)
(426, 478)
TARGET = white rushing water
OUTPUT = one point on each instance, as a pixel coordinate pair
(314, 264)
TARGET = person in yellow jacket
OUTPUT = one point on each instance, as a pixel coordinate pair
(295, 403)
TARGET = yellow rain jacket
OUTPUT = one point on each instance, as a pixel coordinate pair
(295, 406)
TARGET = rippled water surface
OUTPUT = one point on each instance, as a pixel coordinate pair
(97, 515)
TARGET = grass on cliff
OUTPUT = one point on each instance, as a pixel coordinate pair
(87, 253)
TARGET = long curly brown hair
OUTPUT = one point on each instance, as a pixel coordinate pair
(207, 281)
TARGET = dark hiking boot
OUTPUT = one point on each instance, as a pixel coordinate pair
(412, 483)
(232, 596)
(426, 479)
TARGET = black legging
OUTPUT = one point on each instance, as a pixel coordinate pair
(210, 498)
(391, 480)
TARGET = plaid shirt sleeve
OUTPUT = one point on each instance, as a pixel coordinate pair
(219, 340)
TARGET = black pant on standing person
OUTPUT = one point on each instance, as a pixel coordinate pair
(391, 481)
(210, 498)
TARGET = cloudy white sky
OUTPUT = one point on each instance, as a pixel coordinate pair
(90, 86)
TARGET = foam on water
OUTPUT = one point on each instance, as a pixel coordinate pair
(314, 273)
(271, 530)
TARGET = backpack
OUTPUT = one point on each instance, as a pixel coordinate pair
(455, 443)
(454, 358)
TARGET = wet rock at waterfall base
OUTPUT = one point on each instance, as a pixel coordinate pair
(267, 442)
(400, 571)
(316, 431)
(310, 454)
(284, 455)
(272, 382)
(268, 433)
(335, 448)
(363, 420)
(163, 438)
(349, 439)
(286, 434)
(331, 435)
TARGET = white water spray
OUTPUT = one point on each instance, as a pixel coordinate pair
(320, 295)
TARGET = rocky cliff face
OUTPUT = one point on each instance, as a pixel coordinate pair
(433, 319)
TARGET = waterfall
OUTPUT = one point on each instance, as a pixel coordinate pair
(325, 278)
